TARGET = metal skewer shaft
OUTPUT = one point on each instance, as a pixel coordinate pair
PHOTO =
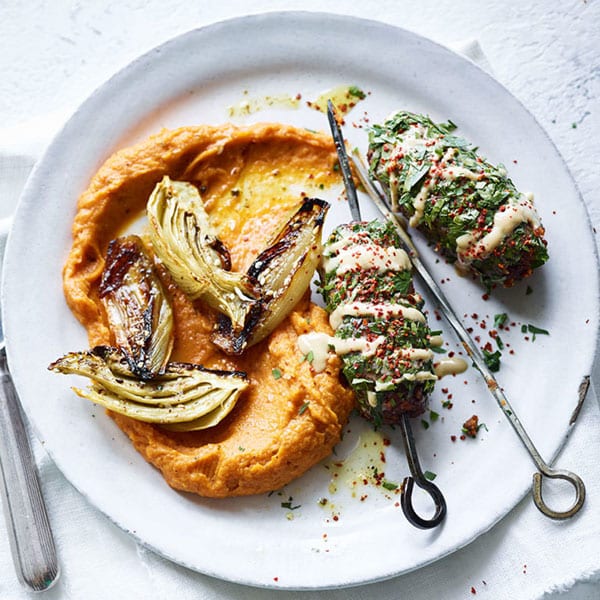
(479, 362)
(340, 146)
(408, 439)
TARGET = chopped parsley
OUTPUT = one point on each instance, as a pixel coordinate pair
(389, 485)
(499, 343)
(355, 91)
(534, 330)
(303, 408)
(500, 320)
(289, 505)
(276, 373)
(429, 475)
(492, 360)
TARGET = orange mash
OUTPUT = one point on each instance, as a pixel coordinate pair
(251, 179)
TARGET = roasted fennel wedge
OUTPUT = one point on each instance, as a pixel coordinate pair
(138, 310)
(283, 273)
(185, 397)
(184, 240)
(252, 304)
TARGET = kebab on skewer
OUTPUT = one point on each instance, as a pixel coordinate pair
(381, 333)
(468, 208)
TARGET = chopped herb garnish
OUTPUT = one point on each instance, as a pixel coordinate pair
(433, 416)
(309, 357)
(438, 349)
(499, 343)
(429, 475)
(500, 319)
(492, 360)
(276, 373)
(536, 330)
(425, 424)
(289, 506)
(303, 408)
(389, 485)
(529, 290)
(355, 91)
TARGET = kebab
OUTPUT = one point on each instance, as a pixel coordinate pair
(466, 207)
(386, 207)
(381, 332)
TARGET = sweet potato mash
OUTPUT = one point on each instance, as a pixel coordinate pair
(250, 179)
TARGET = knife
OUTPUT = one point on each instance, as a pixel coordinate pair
(27, 523)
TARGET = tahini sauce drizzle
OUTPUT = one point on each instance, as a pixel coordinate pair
(450, 366)
(471, 245)
(349, 253)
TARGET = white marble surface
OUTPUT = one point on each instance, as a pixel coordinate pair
(54, 53)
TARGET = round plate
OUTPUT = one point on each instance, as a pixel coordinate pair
(293, 538)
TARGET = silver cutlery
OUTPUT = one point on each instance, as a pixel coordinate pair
(29, 532)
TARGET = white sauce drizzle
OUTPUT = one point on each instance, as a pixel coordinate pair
(471, 246)
(355, 252)
(382, 311)
(436, 340)
(348, 254)
(372, 398)
(370, 256)
(320, 344)
(439, 170)
(450, 366)
(420, 376)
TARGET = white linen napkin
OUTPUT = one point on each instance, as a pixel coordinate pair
(525, 556)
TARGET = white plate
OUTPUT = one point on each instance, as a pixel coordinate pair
(193, 79)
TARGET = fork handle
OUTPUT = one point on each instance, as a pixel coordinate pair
(29, 532)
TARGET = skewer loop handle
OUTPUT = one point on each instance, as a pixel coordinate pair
(417, 476)
(573, 479)
(407, 507)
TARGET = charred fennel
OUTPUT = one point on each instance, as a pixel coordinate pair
(138, 310)
(467, 207)
(185, 397)
(135, 378)
(253, 303)
(282, 273)
(184, 240)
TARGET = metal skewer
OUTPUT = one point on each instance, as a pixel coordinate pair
(412, 457)
(544, 470)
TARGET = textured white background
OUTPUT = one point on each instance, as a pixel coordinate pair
(54, 53)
